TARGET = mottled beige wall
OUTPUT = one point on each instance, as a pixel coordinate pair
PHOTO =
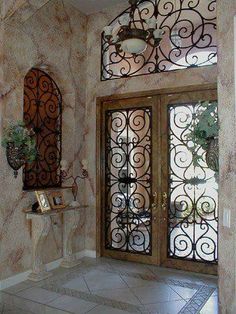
(96, 88)
(39, 32)
(227, 112)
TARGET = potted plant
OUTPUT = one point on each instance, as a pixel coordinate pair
(20, 145)
(204, 133)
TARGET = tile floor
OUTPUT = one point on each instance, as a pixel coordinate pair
(106, 286)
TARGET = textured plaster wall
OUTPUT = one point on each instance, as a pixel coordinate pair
(33, 33)
(227, 113)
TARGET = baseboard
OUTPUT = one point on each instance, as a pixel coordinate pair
(14, 280)
(90, 253)
(53, 265)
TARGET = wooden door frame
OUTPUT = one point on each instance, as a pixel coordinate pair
(100, 155)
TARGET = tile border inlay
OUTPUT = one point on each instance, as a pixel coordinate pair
(55, 284)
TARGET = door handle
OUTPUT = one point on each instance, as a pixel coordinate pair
(164, 201)
(154, 204)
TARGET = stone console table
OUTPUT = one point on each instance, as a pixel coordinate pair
(41, 224)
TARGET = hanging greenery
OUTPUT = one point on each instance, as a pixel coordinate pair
(17, 135)
(205, 134)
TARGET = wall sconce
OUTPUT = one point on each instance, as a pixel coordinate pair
(66, 177)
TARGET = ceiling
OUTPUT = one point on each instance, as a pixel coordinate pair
(93, 6)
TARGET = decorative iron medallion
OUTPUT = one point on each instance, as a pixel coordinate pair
(128, 180)
(193, 192)
(43, 113)
(189, 39)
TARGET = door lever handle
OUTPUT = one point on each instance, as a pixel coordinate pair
(154, 204)
(164, 201)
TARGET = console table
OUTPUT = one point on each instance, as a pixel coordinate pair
(41, 224)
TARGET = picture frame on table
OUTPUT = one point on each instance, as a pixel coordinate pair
(56, 199)
(44, 204)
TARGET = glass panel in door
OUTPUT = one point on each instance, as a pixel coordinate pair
(193, 190)
(128, 169)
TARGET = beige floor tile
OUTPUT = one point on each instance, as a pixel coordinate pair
(161, 293)
(102, 309)
(137, 282)
(73, 305)
(28, 305)
(38, 295)
(211, 307)
(130, 267)
(19, 287)
(7, 309)
(185, 293)
(172, 307)
(78, 284)
(120, 295)
(171, 274)
(50, 310)
(97, 280)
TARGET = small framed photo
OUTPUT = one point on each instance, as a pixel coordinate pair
(57, 200)
(43, 201)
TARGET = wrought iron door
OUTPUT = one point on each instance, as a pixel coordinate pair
(190, 188)
(158, 206)
(128, 170)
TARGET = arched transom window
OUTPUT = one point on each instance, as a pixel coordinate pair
(189, 38)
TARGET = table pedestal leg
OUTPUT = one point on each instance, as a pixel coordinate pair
(40, 229)
(71, 223)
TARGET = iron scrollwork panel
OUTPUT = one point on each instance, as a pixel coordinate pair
(189, 39)
(43, 113)
(193, 192)
(128, 174)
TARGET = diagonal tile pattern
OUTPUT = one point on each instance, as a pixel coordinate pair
(105, 286)
(78, 284)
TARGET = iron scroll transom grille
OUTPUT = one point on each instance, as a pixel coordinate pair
(193, 192)
(189, 40)
(43, 113)
(128, 165)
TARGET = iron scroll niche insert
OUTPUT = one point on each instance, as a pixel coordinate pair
(128, 162)
(43, 113)
(189, 39)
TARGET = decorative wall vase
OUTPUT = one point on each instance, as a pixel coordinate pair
(212, 154)
(15, 157)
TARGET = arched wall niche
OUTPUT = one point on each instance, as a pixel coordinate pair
(193, 22)
(42, 111)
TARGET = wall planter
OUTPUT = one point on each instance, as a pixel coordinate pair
(204, 134)
(20, 145)
(212, 154)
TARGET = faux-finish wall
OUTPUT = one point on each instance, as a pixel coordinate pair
(33, 33)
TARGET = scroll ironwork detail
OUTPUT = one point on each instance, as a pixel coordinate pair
(43, 113)
(189, 39)
(128, 180)
(193, 192)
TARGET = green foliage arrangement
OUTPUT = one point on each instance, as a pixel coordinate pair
(205, 129)
(17, 134)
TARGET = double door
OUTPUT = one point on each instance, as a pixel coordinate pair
(158, 205)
